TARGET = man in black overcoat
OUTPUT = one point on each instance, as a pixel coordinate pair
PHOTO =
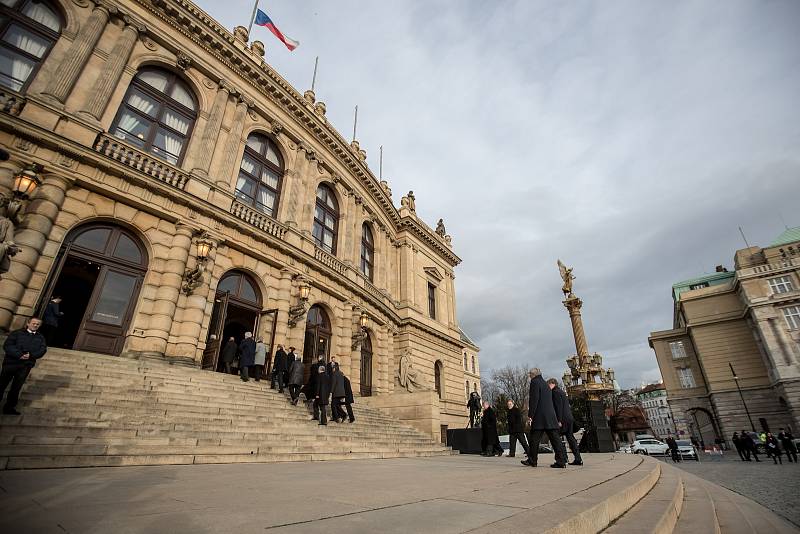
(280, 365)
(474, 405)
(322, 392)
(787, 441)
(516, 430)
(349, 400)
(22, 348)
(490, 442)
(229, 354)
(564, 415)
(247, 356)
(542, 416)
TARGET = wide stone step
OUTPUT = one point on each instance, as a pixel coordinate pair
(658, 511)
(698, 513)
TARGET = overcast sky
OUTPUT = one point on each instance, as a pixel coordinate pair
(629, 139)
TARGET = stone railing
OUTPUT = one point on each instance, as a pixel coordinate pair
(11, 102)
(374, 291)
(148, 164)
(769, 268)
(329, 260)
(259, 220)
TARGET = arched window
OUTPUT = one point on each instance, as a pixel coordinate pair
(260, 174)
(318, 335)
(465, 366)
(437, 378)
(475, 387)
(326, 219)
(466, 388)
(240, 287)
(367, 251)
(473, 364)
(29, 29)
(157, 114)
(366, 367)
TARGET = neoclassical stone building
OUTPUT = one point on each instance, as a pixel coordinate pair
(188, 194)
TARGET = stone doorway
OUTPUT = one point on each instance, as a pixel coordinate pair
(317, 338)
(98, 273)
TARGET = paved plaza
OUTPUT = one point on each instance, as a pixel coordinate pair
(775, 486)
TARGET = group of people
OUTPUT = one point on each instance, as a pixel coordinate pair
(549, 413)
(328, 385)
(775, 447)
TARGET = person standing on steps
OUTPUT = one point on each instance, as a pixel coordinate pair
(22, 348)
(50, 321)
(516, 430)
(229, 354)
(737, 442)
(773, 448)
(322, 392)
(295, 378)
(260, 359)
(564, 415)
(543, 420)
(490, 441)
(787, 441)
(338, 394)
(311, 387)
(348, 400)
(331, 364)
(280, 365)
(247, 356)
(474, 405)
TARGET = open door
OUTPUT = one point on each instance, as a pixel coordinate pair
(268, 319)
(215, 326)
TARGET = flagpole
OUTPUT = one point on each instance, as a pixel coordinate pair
(355, 123)
(314, 78)
(252, 19)
(380, 165)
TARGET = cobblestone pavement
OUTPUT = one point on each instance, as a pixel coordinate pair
(774, 486)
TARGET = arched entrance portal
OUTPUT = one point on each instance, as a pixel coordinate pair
(366, 367)
(237, 308)
(98, 274)
(703, 427)
(318, 336)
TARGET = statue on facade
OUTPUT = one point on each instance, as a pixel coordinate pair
(412, 202)
(407, 376)
(8, 248)
(440, 228)
(567, 276)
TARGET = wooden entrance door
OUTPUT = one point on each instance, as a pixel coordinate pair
(214, 340)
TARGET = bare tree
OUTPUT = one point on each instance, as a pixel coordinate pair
(514, 383)
(489, 389)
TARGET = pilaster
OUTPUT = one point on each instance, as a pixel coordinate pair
(232, 145)
(204, 149)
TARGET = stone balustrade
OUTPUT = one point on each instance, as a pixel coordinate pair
(758, 270)
(259, 220)
(124, 153)
(329, 260)
(373, 290)
(11, 102)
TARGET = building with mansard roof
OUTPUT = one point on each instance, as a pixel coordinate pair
(188, 194)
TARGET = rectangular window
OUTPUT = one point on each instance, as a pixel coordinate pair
(686, 378)
(699, 286)
(792, 315)
(432, 300)
(780, 284)
(677, 349)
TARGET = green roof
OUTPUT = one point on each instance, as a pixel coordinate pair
(713, 279)
(791, 235)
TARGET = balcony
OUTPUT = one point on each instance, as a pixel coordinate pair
(329, 260)
(143, 162)
(259, 220)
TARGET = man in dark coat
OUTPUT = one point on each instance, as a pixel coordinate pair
(564, 415)
(787, 441)
(50, 319)
(229, 354)
(311, 387)
(22, 348)
(474, 405)
(749, 445)
(247, 356)
(348, 400)
(490, 442)
(737, 442)
(338, 394)
(280, 365)
(542, 416)
(322, 391)
(516, 430)
(295, 378)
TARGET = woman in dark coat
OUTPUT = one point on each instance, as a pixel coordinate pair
(247, 356)
(229, 354)
(490, 442)
(322, 391)
(295, 378)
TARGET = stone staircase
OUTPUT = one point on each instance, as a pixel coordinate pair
(81, 410)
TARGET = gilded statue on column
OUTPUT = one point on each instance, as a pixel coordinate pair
(567, 277)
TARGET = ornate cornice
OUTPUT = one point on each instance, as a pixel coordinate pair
(429, 238)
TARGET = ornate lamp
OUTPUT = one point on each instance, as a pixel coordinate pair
(363, 319)
(299, 310)
(305, 290)
(25, 183)
(193, 278)
(360, 335)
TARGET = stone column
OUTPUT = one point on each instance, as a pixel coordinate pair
(452, 292)
(166, 298)
(186, 330)
(31, 236)
(65, 76)
(283, 302)
(232, 145)
(380, 362)
(349, 327)
(573, 305)
(297, 177)
(208, 141)
(98, 97)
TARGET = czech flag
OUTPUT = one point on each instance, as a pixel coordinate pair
(263, 20)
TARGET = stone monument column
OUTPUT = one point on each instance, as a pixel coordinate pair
(75, 58)
(104, 86)
(208, 140)
(381, 359)
(232, 145)
(166, 297)
(573, 305)
(31, 236)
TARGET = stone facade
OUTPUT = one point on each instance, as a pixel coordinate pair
(64, 118)
(653, 400)
(748, 322)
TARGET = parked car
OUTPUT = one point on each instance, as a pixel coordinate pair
(626, 449)
(649, 446)
(687, 450)
(544, 448)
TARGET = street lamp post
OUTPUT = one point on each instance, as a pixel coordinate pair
(736, 379)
